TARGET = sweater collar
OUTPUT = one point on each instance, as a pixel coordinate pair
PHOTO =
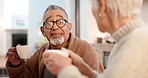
(126, 28)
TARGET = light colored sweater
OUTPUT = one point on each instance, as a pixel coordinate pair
(129, 57)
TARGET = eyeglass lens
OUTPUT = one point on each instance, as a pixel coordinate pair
(59, 23)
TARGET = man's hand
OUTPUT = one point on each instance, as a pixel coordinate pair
(76, 59)
(13, 57)
(82, 66)
(55, 62)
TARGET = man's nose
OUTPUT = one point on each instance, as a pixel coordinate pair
(55, 26)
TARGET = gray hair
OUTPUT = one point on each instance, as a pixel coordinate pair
(123, 8)
(55, 7)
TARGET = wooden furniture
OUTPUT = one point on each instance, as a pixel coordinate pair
(103, 50)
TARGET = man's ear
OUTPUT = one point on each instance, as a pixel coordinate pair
(102, 6)
(70, 26)
(42, 30)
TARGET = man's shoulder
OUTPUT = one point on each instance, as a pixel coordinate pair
(80, 40)
(137, 35)
(43, 47)
(139, 32)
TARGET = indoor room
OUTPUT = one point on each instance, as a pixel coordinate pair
(20, 22)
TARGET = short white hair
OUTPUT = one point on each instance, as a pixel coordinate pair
(123, 8)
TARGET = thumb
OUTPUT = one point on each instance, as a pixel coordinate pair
(18, 45)
(69, 51)
(64, 49)
(71, 54)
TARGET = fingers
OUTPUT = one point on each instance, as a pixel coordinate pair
(53, 58)
(69, 51)
(13, 49)
(18, 44)
(12, 53)
(52, 69)
(75, 58)
(55, 62)
(47, 57)
(13, 57)
(47, 60)
(64, 48)
(50, 64)
(46, 54)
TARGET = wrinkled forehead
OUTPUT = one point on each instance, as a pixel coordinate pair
(54, 15)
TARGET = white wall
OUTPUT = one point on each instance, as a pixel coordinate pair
(88, 26)
(8, 9)
(1, 5)
(144, 12)
(1, 29)
(12, 8)
(36, 10)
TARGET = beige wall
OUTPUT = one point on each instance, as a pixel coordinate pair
(1, 30)
(144, 12)
(7, 11)
(88, 26)
(0, 12)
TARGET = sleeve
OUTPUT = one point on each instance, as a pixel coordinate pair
(129, 58)
(27, 69)
(15, 71)
(89, 55)
(70, 72)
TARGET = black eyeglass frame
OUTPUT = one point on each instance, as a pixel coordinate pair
(54, 22)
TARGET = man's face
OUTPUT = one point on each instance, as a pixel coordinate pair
(56, 35)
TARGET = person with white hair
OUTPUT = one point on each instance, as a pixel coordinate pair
(128, 58)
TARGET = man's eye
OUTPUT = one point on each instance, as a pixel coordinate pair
(50, 23)
(61, 21)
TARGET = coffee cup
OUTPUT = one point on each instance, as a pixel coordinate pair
(60, 52)
(23, 51)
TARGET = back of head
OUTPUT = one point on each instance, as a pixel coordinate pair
(124, 8)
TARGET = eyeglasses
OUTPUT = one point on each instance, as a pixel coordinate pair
(60, 23)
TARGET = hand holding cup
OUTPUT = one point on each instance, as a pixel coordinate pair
(56, 60)
(13, 56)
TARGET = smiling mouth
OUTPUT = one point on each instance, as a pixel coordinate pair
(56, 35)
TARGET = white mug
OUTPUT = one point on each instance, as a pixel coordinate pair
(23, 51)
(60, 52)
